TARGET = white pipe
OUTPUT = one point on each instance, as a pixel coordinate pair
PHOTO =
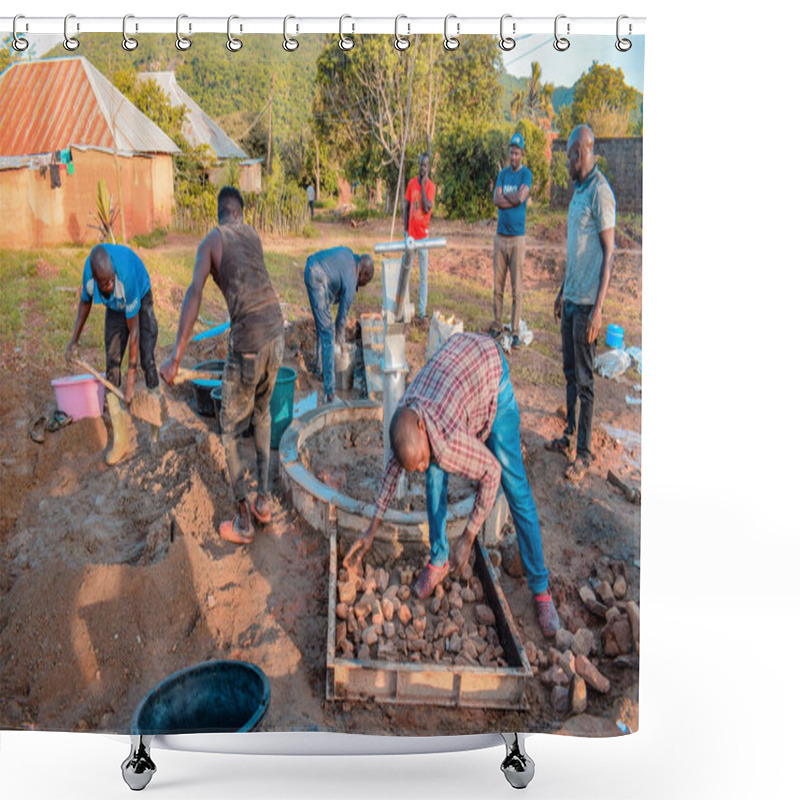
(401, 246)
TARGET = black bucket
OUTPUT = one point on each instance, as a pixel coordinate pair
(213, 697)
(202, 388)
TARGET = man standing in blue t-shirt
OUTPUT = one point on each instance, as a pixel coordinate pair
(333, 276)
(116, 277)
(511, 194)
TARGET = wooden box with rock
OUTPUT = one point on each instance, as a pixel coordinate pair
(459, 647)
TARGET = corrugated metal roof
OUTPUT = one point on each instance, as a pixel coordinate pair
(198, 127)
(51, 104)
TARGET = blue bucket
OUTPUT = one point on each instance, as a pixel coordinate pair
(213, 697)
(281, 405)
(615, 335)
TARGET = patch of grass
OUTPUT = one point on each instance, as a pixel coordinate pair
(529, 373)
(37, 308)
(152, 239)
(548, 217)
(310, 231)
(543, 348)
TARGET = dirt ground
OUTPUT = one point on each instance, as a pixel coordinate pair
(112, 579)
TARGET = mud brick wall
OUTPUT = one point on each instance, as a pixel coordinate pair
(624, 158)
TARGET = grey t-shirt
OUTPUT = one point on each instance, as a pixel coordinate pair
(592, 210)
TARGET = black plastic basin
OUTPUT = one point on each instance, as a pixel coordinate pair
(212, 697)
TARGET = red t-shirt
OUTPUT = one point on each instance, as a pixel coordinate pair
(417, 220)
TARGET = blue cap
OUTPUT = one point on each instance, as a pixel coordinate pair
(517, 141)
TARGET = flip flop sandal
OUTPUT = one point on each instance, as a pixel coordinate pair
(36, 429)
(264, 519)
(227, 530)
(559, 445)
(430, 578)
(58, 420)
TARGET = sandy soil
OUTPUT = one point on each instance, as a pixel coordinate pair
(112, 579)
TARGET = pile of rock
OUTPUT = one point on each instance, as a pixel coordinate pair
(379, 618)
(606, 596)
(567, 667)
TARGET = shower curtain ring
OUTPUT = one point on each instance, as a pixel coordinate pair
(623, 45)
(19, 43)
(233, 44)
(345, 42)
(401, 43)
(70, 42)
(128, 42)
(451, 42)
(290, 44)
(561, 43)
(507, 42)
(181, 42)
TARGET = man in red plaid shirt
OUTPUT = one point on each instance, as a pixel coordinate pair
(459, 415)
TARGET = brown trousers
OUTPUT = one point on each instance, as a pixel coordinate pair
(509, 257)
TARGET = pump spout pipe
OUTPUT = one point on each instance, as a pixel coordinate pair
(406, 246)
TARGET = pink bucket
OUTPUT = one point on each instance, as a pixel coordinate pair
(79, 396)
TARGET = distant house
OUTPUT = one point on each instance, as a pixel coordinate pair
(199, 128)
(63, 127)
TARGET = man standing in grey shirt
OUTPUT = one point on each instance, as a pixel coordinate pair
(579, 303)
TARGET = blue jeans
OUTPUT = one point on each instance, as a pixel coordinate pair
(317, 287)
(505, 445)
(408, 258)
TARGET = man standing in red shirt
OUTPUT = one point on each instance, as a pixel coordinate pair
(416, 218)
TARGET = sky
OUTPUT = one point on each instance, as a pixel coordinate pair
(563, 69)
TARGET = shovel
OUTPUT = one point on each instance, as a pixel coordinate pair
(145, 405)
(195, 375)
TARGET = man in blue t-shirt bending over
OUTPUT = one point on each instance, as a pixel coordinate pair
(511, 194)
(333, 276)
(116, 277)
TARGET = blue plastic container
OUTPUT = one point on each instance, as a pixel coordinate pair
(213, 697)
(615, 336)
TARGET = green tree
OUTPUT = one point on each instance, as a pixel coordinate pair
(8, 55)
(149, 98)
(361, 99)
(602, 100)
(471, 153)
(535, 158)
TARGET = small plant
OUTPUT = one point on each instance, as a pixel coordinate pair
(106, 213)
(559, 173)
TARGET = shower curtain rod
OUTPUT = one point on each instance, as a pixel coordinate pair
(513, 27)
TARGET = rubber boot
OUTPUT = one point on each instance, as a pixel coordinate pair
(119, 426)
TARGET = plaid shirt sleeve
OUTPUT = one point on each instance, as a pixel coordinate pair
(391, 474)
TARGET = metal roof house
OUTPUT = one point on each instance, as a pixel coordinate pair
(199, 128)
(63, 127)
